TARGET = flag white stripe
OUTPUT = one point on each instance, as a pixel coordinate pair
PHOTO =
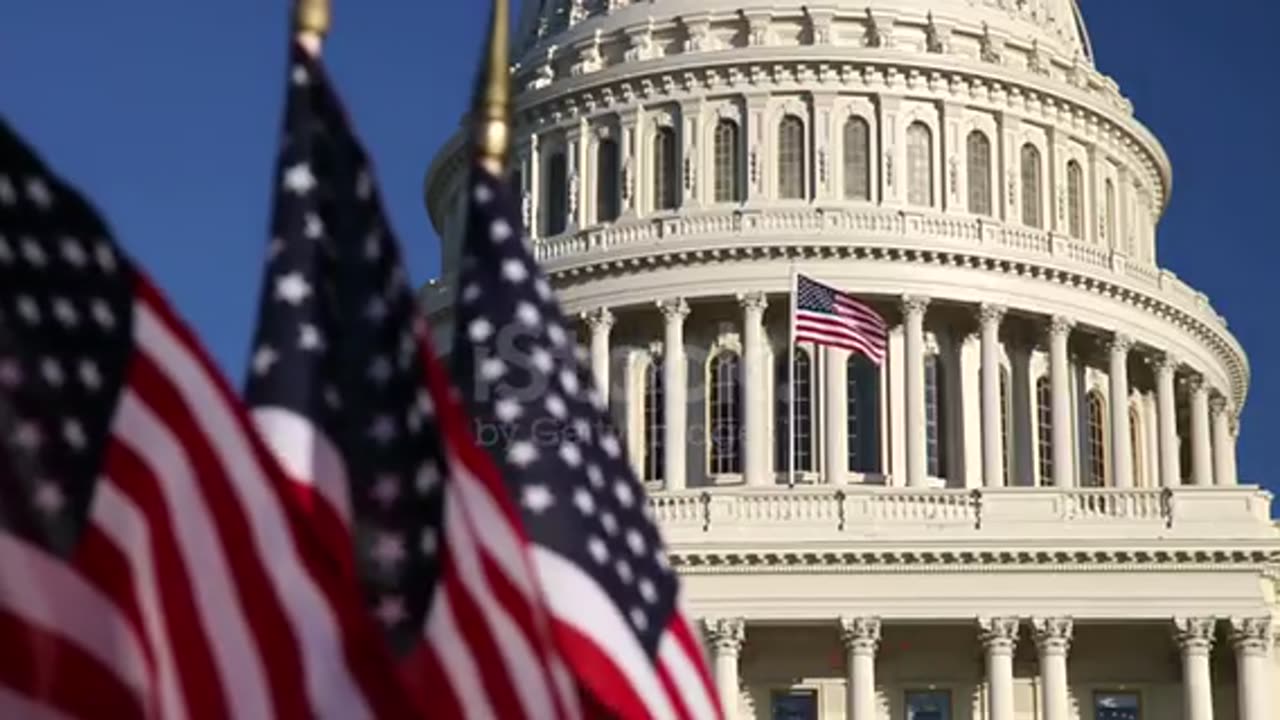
(824, 335)
(682, 671)
(835, 321)
(584, 606)
(523, 663)
(222, 618)
(455, 659)
(330, 685)
(499, 538)
(307, 455)
(123, 523)
(47, 593)
(13, 705)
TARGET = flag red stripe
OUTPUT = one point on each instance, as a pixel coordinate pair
(843, 325)
(823, 336)
(278, 656)
(846, 305)
(188, 647)
(50, 667)
(840, 342)
(681, 632)
(673, 690)
(595, 669)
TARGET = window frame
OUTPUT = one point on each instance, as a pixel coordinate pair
(1044, 431)
(1031, 177)
(792, 120)
(608, 183)
(862, 418)
(653, 417)
(735, 193)
(1095, 455)
(913, 133)
(979, 171)
(1075, 200)
(665, 160)
(732, 463)
(556, 207)
(1099, 693)
(849, 169)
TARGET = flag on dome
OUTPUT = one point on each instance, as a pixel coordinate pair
(600, 561)
(152, 563)
(346, 389)
(826, 316)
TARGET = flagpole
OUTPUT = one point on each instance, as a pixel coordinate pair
(311, 22)
(791, 384)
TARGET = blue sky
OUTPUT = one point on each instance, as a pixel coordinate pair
(167, 113)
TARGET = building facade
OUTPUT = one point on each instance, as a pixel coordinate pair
(1030, 510)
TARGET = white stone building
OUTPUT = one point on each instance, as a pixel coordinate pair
(1031, 510)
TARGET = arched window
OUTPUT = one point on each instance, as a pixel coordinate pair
(791, 161)
(979, 172)
(935, 416)
(1032, 210)
(919, 164)
(1096, 447)
(608, 201)
(1075, 200)
(1110, 225)
(1135, 442)
(725, 409)
(857, 159)
(728, 168)
(655, 421)
(665, 170)
(804, 434)
(1044, 430)
(863, 382)
(557, 194)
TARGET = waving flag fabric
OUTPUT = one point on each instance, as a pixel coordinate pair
(827, 316)
(151, 562)
(609, 587)
(350, 397)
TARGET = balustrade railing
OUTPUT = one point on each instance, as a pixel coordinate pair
(761, 513)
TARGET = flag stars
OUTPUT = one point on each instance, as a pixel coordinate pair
(429, 542)
(522, 454)
(8, 194)
(583, 500)
(292, 288)
(635, 541)
(73, 252)
(51, 371)
(102, 314)
(90, 377)
(625, 573)
(299, 76)
(309, 337)
(571, 455)
(598, 549)
(595, 476)
(537, 498)
(483, 195)
(263, 360)
(27, 436)
(648, 591)
(622, 490)
(527, 313)
(638, 619)
(38, 193)
(391, 610)
(557, 335)
(380, 370)
(312, 226)
(375, 311)
(383, 430)
(543, 288)
(470, 293)
(48, 498)
(428, 478)
(332, 397)
(500, 231)
(556, 406)
(73, 435)
(10, 373)
(514, 271)
(299, 179)
(610, 523)
(28, 309)
(388, 550)
(609, 443)
(492, 369)
(373, 245)
(425, 403)
(507, 410)
(569, 381)
(33, 253)
(105, 256)
(480, 330)
(542, 360)
(364, 184)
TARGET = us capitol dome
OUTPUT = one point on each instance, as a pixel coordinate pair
(1030, 510)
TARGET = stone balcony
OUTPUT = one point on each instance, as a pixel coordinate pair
(813, 519)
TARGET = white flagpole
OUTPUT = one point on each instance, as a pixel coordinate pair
(791, 384)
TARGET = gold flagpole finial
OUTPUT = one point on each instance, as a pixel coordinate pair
(311, 21)
(491, 107)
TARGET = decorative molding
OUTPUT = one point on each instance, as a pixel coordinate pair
(1252, 635)
(673, 310)
(1194, 635)
(999, 635)
(599, 320)
(1052, 635)
(861, 635)
(725, 635)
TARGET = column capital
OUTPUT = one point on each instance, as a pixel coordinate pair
(753, 301)
(1194, 634)
(1052, 634)
(860, 634)
(1196, 383)
(1165, 362)
(1219, 405)
(1060, 325)
(990, 313)
(1119, 343)
(725, 635)
(674, 309)
(1251, 635)
(913, 304)
(599, 320)
(998, 634)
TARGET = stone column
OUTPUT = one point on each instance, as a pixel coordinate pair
(1053, 640)
(725, 637)
(1252, 638)
(861, 637)
(999, 636)
(989, 317)
(836, 464)
(1195, 640)
(1201, 447)
(675, 405)
(913, 309)
(600, 322)
(1223, 446)
(1121, 439)
(1064, 474)
(755, 445)
(1166, 367)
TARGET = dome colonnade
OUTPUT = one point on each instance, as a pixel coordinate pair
(1054, 404)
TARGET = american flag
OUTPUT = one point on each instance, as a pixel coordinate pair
(152, 562)
(344, 386)
(827, 316)
(610, 590)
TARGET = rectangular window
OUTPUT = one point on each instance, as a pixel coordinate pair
(794, 705)
(1117, 706)
(929, 705)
